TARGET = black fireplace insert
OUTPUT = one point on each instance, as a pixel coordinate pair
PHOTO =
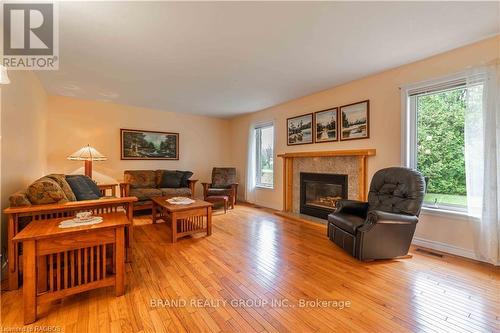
(319, 193)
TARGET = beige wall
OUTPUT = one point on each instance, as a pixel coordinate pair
(23, 135)
(385, 127)
(73, 123)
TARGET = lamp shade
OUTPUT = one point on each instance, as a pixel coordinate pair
(87, 153)
(4, 78)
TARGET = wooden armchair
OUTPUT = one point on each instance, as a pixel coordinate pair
(20, 216)
(223, 183)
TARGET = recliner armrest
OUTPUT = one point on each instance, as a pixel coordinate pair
(358, 208)
(378, 216)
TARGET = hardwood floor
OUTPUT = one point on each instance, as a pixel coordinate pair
(254, 255)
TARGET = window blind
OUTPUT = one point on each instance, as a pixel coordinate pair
(461, 82)
(263, 125)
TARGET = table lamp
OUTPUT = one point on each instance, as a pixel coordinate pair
(87, 154)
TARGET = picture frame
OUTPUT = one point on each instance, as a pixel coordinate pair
(148, 145)
(326, 125)
(300, 130)
(355, 121)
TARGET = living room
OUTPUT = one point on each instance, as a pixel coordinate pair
(373, 92)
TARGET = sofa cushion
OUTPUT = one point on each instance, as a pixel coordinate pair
(176, 192)
(83, 187)
(185, 177)
(347, 222)
(61, 180)
(219, 191)
(45, 191)
(145, 193)
(170, 179)
(140, 178)
(19, 199)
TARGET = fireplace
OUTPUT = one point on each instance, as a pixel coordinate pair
(319, 193)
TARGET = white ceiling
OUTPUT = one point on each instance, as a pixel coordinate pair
(228, 58)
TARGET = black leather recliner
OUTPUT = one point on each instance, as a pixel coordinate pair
(383, 227)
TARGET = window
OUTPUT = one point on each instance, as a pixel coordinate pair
(435, 140)
(264, 145)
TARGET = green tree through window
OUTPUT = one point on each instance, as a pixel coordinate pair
(440, 145)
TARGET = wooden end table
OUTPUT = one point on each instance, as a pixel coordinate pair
(61, 262)
(185, 219)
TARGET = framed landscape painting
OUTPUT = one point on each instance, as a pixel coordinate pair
(326, 125)
(355, 121)
(300, 130)
(149, 145)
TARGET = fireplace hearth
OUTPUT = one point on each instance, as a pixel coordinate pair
(319, 193)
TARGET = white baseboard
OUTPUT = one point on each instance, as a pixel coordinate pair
(443, 247)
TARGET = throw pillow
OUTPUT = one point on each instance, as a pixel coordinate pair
(45, 191)
(185, 177)
(83, 187)
(170, 179)
(61, 180)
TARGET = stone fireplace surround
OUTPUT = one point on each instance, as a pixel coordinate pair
(352, 163)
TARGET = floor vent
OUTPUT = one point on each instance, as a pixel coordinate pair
(430, 253)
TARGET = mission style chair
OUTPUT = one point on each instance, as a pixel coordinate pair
(223, 184)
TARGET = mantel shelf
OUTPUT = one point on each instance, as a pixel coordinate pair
(330, 153)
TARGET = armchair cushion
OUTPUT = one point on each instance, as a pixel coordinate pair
(83, 187)
(347, 222)
(170, 179)
(219, 191)
(377, 216)
(358, 208)
(223, 177)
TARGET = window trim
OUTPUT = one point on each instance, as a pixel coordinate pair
(257, 154)
(409, 130)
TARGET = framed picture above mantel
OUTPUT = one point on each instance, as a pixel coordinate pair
(300, 130)
(326, 125)
(148, 145)
(355, 121)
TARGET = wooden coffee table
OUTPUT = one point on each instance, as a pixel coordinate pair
(185, 219)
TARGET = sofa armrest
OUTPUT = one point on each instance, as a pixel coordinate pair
(380, 217)
(192, 184)
(124, 189)
(358, 208)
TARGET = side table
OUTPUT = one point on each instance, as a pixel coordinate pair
(60, 262)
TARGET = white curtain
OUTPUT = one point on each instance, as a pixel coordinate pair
(250, 186)
(482, 159)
